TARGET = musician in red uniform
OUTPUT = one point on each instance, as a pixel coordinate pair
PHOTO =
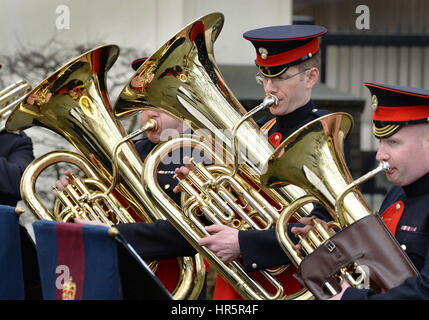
(158, 240)
(400, 122)
(288, 64)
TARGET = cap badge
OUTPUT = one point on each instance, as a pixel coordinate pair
(264, 53)
(374, 102)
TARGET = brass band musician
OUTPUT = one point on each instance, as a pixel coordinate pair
(16, 152)
(288, 62)
(400, 123)
(157, 240)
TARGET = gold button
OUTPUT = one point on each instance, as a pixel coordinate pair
(166, 186)
(254, 265)
(398, 206)
(276, 137)
(404, 247)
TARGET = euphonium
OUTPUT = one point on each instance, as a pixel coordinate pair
(73, 102)
(312, 158)
(10, 97)
(183, 80)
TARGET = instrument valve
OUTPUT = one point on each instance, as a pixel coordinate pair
(207, 185)
(305, 245)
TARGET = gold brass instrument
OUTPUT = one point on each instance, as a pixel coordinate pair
(10, 97)
(312, 158)
(183, 80)
(73, 102)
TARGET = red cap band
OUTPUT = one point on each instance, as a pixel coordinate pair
(289, 56)
(401, 113)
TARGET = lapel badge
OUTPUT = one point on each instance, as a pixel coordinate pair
(263, 52)
(69, 290)
(374, 102)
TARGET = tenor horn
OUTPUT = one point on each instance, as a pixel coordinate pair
(363, 252)
(182, 79)
(73, 102)
(11, 96)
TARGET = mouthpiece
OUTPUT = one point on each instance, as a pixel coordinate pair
(150, 125)
(270, 100)
(385, 166)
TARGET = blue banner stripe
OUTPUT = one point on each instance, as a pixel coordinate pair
(11, 270)
(101, 266)
(46, 244)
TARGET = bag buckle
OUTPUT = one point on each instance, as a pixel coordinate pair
(330, 245)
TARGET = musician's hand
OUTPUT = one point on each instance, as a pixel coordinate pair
(309, 225)
(183, 172)
(308, 222)
(223, 241)
(66, 179)
(344, 287)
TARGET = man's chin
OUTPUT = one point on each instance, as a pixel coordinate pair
(154, 139)
(276, 111)
(393, 180)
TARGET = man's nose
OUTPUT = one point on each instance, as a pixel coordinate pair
(269, 86)
(152, 113)
(381, 155)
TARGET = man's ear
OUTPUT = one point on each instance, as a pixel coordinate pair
(312, 77)
(425, 136)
